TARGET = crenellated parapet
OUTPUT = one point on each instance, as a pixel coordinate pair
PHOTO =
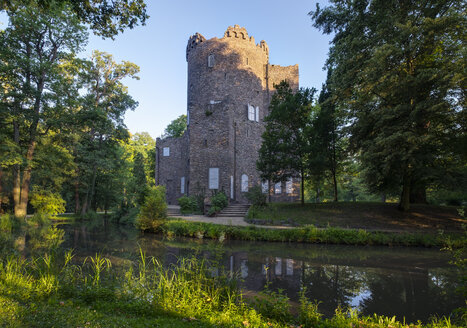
(193, 41)
(240, 33)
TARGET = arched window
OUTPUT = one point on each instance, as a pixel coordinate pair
(211, 60)
(244, 183)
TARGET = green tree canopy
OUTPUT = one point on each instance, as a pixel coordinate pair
(398, 70)
(176, 128)
(105, 18)
(285, 148)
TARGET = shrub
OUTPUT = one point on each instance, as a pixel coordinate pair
(153, 211)
(188, 204)
(219, 200)
(213, 210)
(256, 197)
(47, 202)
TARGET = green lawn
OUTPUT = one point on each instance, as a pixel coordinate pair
(362, 215)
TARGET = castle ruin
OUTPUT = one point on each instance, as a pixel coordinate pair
(230, 84)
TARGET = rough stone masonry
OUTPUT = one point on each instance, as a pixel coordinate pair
(230, 83)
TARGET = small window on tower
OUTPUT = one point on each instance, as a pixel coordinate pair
(251, 113)
(166, 151)
(289, 186)
(244, 183)
(211, 60)
(277, 188)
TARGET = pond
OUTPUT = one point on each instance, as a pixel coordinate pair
(414, 283)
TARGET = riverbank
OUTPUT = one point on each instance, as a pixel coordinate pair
(51, 289)
(310, 234)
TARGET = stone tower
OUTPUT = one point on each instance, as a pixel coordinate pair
(230, 82)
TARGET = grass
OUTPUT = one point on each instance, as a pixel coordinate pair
(362, 215)
(50, 290)
(311, 234)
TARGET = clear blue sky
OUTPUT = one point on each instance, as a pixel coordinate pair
(159, 48)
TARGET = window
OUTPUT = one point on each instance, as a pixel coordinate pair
(211, 60)
(231, 187)
(182, 185)
(289, 186)
(257, 114)
(251, 113)
(264, 187)
(244, 183)
(166, 151)
(277, 188)
(213, 178)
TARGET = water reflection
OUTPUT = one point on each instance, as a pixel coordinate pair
(411, 283)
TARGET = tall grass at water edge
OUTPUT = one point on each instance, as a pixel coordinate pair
(310, 234)
(146, 290)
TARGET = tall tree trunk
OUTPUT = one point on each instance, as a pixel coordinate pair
(77, 197)
(302, 183)
(1, 189)
(26, 181)
(383, 197)
(404, 204)
(334, 181)
(89, 193)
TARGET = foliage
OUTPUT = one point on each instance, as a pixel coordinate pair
(395, 72)
(47, 202)
(177, 127)
(107, 19)
(153, 211)
(326, 140)
(38, 55)
(284, 149)
(219, 200)
(273, 304)
(188, 205)
(310, 234)
(255, 196)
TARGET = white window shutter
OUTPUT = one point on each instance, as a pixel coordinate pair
(213, 178)
(257, 113)
(166, 151)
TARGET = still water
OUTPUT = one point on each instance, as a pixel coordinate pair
(414, 283)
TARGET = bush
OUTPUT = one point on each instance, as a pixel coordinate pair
(256, 197)
(213, 210)
(219, 200)
(153, 211)
(188, 205)
(47, 202)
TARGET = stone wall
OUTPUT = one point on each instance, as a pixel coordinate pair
(170, 169)
(225, 76)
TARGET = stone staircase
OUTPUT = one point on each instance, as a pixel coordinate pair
(234, 210)
(173, 210)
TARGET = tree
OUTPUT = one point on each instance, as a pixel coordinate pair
(397, 71)
(176, 128)
(285, 148)
(37, 51)
(326, 138)
(104, 106)
(105, 18)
